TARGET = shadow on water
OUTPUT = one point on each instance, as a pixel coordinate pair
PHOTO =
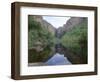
(58, 56)
(73, 58)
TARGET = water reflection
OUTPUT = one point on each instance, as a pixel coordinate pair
(58, 55)
(58, 59)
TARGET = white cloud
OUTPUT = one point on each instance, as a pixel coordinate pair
(56, 21)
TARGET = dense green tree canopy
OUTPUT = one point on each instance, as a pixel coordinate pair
(37, 33)
(75, 40)
(40, 41)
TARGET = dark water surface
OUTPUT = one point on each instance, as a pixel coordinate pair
(58, 58)
(61, 56)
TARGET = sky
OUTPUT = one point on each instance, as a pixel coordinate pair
(56, 21)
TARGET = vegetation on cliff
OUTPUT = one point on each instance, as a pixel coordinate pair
(40, 41)
(75, 40)
(44, 40)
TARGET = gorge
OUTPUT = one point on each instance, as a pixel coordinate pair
(57, 46)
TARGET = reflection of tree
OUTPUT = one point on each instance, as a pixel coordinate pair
(41, 56)
(75, 41)
(40, 41)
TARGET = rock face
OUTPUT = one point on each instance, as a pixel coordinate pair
(73, 21)
(44, 23)
(39, 50)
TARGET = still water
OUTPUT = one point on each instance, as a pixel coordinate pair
(58, 59)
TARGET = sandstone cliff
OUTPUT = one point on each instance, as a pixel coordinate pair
(72, 22)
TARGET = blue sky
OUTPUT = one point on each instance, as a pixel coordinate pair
(56, 21)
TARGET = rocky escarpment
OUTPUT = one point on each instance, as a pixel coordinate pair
(73, 40)
(40, 39)
(42, 42)
(41, 32)
(44, 23)
(72, 22)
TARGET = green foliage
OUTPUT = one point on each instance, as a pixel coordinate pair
(75, 40)
(32, 24)
(42, 56)
(39, 34)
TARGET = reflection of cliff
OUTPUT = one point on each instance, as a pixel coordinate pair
(73, 36)
(70, 39)
(72, 22)
(40, 39)
(73, 40)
